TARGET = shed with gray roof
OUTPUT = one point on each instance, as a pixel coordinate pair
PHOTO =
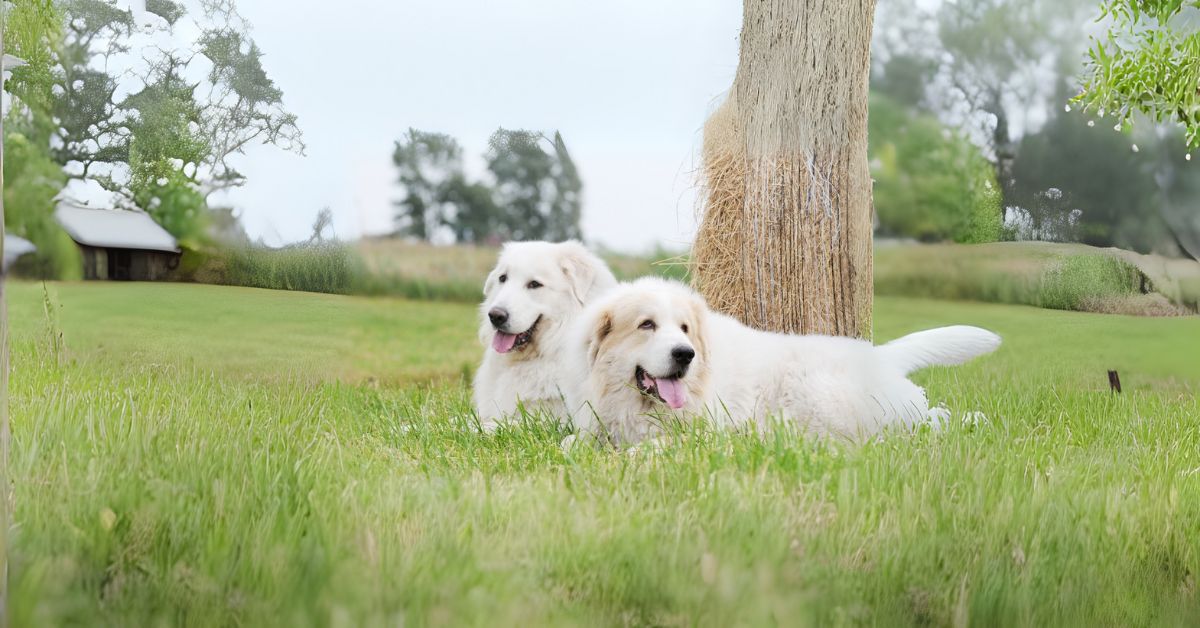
(119, 244)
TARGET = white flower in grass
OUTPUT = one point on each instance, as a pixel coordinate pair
(1091, 123)
(1135, 148)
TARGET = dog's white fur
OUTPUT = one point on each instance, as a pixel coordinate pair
(828, 386)
(530, 375)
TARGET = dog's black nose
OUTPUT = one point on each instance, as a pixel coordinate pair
(498, 316)
(683, 355)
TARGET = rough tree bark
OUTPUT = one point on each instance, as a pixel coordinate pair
(785, 238)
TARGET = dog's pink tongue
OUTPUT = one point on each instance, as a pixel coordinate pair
(672, 392)
(503, 343)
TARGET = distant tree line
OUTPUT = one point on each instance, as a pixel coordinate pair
(156, 140)
(533, 190)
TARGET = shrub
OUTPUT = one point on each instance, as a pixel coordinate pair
(1074, 279)
(931, 183)
(31, 181)
(328, 268)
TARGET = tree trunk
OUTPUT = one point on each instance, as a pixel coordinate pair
(1186, 240)
(785, 239)
(1006, 155)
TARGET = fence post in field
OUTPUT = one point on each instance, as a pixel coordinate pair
(5, 488)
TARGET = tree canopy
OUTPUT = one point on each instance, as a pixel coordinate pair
(1147, 63)
(162, 134)
(534, 192)
(931, 183)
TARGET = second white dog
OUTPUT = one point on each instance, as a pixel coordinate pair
(651, 349)
(531, 299)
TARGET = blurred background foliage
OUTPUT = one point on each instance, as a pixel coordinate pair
(931, 183)
(1000, 74)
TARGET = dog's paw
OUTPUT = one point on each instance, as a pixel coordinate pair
(937, 417)
(490, 426)
(650, 446)
(580, 440)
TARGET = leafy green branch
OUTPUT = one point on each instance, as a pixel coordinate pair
(1148, 62)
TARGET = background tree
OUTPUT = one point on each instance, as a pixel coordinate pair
(931, 182)
(322, 223)
(33, 32)
(243, 106)
(471, 212)
(1147, 63)
(943, 58)
(785, 238)
(90, 121)
(1000, 52)
(168, 146)
(539, 191)
(1079, 183)
(535, 191)
(1177, 184)
(985, 66)
(566, 209)
(426, 163)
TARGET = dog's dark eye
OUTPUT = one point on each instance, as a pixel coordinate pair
(503, 278)
(684, 327)
(648, 324)
(534, 285)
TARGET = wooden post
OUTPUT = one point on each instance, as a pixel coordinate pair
(5, 488)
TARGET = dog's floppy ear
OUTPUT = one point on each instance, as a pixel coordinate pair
(600, 330)
(490, 283)
(493, 277)
(585, 273)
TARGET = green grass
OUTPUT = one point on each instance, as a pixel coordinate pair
(248, 332)
(206, 455)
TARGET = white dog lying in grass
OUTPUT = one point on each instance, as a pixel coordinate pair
(652, 350)
(531, 299)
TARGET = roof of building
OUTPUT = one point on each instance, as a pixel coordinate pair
(14, 247)
(9, 62)
(114, 228)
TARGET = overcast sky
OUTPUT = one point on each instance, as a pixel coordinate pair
(628, 83)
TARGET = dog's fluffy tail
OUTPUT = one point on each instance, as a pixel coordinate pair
(944, 346)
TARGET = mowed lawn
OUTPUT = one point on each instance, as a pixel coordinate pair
(205, 455)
